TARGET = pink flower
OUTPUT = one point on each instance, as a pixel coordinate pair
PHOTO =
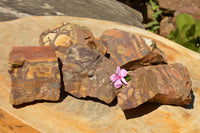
(118, 78)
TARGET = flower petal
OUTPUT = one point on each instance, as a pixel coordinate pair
(113, 77)
(124, 81)
(118, 70)
(118, 84)
(123, 73)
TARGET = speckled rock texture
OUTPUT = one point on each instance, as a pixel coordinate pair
(34, 73)
(166, 84)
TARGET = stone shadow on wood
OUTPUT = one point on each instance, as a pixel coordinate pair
(191, 105)
(113, 103)
(63, 95)
(141, 110)
(148, 107)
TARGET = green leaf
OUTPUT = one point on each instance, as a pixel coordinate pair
(157, 13)
(127, 78)
(184, 29)
(155, 22)
(197, 31)
(177, 33)
(190, 31)
(155, 28)
(150, 24)
(153, 4)
(171, 35)
(183, 19)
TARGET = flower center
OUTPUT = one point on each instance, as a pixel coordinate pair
(119, 77)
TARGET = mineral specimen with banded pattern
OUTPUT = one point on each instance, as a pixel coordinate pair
(85, 70)
(99, 85)
(166, 84)
(131, 51)
(34, 73)
(65, 35)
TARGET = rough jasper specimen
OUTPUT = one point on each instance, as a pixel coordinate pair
(34, 73)
(65, 35)
(131, 51)
(99, 85)
(86, 72)
(166, 84)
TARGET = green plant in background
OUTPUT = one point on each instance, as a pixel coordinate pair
(154, 25)
(187, 32)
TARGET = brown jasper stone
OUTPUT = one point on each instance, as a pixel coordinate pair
(81, 57)
(34, 73)
(86, 72)
(131, 51)
(64, 35)
(166, 84)
(99, 84)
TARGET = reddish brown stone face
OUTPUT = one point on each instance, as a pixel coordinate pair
(63, 36)
(166, 84)
(32, 54)
(88, 63)
(34, 73)
(85, 70)
(130, 51)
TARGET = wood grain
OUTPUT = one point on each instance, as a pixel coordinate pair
(9, 124)
(78, 115)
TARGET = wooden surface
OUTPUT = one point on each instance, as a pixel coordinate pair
(77, 115)
(9, 124)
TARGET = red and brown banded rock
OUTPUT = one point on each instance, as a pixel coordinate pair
(81, 55)
(65, 35)
(99, 84)
(86, 72)
(166, 84)
(131, 51)
(34, 73)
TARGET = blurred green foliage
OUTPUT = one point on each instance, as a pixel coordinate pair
(154, 25)
(187, 32)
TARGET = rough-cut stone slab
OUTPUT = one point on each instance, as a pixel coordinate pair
(34, 73)
(129, 50)
(81, 56)
(99, 85)
(166, 84)
(65, 35)
(86, 72)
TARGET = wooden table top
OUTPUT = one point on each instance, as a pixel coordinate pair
(9, 124)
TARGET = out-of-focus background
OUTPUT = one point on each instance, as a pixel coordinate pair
(177, 20)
